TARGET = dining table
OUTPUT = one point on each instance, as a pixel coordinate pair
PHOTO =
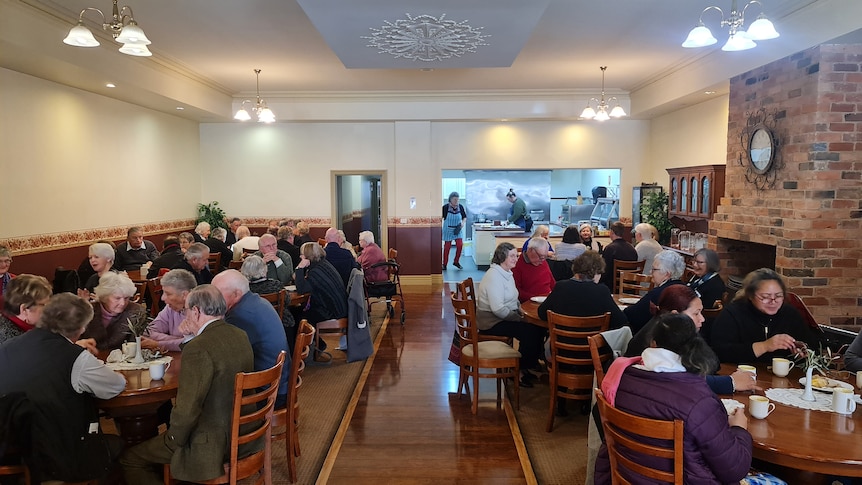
(135, 410)
(531, 308)
(804, 439)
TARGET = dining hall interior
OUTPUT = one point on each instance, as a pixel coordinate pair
(93, 141)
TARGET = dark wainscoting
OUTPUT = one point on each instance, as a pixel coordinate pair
(418, 248)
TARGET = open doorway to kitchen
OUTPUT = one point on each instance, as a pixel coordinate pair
(359, 205)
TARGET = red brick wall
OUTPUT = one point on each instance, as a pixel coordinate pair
(813, 213)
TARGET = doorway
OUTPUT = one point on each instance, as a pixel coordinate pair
(359, 205)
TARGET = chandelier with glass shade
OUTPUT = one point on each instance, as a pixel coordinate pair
(739, 39)
(602, 111)
(264, 114)
(121, 25)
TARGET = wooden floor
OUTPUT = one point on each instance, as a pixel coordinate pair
(409, 425)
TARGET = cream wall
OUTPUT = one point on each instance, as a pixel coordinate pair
(692, 136)
(71, 160)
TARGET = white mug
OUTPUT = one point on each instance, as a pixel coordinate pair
(759, 407)
(858, 379)
(842, 401)
(129, 349)
(781, 367)
(747, 368)
(157, 370)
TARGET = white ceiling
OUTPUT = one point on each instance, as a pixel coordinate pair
(214, 45)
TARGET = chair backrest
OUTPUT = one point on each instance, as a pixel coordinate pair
(65, 280)
(568, 337)
(140, 291)
(301, 348)
(466, 291)
(796, 302)
(465, 322)
(636, 266)
(601, 355)
(393, 254)
(633, 283)
(277, 300)
(711, 313)
(155, 290)
(237, 265)
(561, 270)
(214, 261)
(247, 251)
(321, 241)
(650, 437)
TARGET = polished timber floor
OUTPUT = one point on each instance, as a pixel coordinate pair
(409, 425)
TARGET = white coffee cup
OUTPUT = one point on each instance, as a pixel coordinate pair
(781, 367)
(747, 368)
(158, 369)
(858, 379)
(759, 407)
(129, 349)
(842, 400)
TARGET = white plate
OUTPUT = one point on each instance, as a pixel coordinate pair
(832, 385)
(731, 404)
(290, 288)
(539, 299)
(629, 301)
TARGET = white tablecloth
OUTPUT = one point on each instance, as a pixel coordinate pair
(793, 397)
(143, 365)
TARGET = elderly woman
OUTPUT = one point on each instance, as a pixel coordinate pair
(111, 311)
(371, 254)
(667, 268)
(26, 296)
(301, 233)
(454, 220)
(586, 233)
(101, 257)
(345, 244)
(667, 382)
(316, 276)
(202, 232)
(244, 240)
(254, 268)
(759, 324)
(645, 244)
(164, 331)
(5, 264)
(186, 240)
(571, 247)
(706, 281)
(543, 232)
(498, 311)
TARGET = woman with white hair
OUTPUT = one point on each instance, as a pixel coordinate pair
(667, 268)
(586, 232)
(371, 254)
(202, 232)
(164, 330)
(101, 256)
(345, 244)
(254, 269)
(244, 240)
(111, 311)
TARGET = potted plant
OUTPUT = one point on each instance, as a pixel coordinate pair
(654, 211)
(809, 361)
(212, 214)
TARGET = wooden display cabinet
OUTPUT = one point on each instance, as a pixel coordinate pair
(695, 193)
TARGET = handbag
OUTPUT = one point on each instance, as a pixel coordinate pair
(455, 350)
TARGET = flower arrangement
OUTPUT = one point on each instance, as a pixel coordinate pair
(818, 361)
(138, 323)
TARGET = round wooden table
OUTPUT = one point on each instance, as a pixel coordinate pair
(803, 439)
(135, 409)
(531, 310)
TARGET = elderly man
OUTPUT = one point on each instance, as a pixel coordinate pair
(202, 232)
(337, 256)
(172, 255)
(645, 244)
(197, 263)
(371, 254)
(279, 264)
(233, 225)
(244, 241)
(620, 249)
(60, 380)
(216, 243)
(285, 243)
(261, 323)
(164, 330)
(135, 251)
(532, 274)
(196, 443)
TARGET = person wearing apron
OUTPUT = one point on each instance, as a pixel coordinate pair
(518, 212)
(454, 217)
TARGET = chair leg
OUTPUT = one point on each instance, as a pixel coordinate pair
(499, 385)
(553, 404)
(517, 386)
(475, 390)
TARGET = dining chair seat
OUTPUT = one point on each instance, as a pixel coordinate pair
(491, 349)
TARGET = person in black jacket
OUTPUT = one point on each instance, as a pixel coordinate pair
(620, 249)
(216, 243)
(667, 267)
(706, 281)
(316, 276)
(172, 255)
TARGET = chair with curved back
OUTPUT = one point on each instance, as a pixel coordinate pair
(154, 290)
(466, 291)
(477, 355)
(570, 366)
(253, 402)
(214, 262)
(277, 300)
(712, 313)
(633, 283)
(626, 433)
(601, 354)
(631, 266)
(288, 417)
(140, 292)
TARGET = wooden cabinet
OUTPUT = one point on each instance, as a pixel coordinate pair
(695, 192)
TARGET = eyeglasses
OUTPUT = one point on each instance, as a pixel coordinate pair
(656, 269)
(6, 261)
(540, 256)
(770, 298)
(698, 262)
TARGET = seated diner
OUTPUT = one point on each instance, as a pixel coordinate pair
(111, 311)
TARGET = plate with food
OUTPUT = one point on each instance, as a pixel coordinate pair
(629, 300)
(731, 405)
(825, 384)
(290, 287)
(539, 299)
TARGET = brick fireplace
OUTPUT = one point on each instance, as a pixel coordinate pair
(807, 224)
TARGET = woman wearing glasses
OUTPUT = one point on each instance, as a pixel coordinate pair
(667, 268)
(706, 281)
(758, 325)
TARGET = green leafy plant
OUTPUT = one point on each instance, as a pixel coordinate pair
(654, 211)
(819, 361)
(139, 324)
(212, 214)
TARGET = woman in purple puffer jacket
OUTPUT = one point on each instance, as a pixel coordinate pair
(667, 382)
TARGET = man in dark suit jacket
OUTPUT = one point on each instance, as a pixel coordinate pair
(339, 257)
(196, 443)
(217, 244)
(135, 251)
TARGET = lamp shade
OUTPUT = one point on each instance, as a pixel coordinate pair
(80, 36)
(602, 115)
(761, 29)
(139, 50)
(242, 115)
(588, 113)
(738, 42)
(265, 115)
(699, 36)
(618, 112)
(132, 34)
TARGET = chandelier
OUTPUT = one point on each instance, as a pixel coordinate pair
(121, 25)
(264, 114)
(739, 40)
(600, 112)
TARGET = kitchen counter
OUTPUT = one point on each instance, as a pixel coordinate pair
(486, 237)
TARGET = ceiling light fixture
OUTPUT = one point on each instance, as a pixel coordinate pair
(739, 40)
(600, 112)
(264, 114)
(121, 25)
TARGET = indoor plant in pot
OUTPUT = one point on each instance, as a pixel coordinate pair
(654, 211)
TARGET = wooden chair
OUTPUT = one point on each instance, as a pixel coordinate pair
(247, 251)
(237, 265)
(712, 313)
(570, 366)
(154, 290)
(14, 467)
(338, 326)
(253, 402)
(278, 300)
(321, 241)
(488, 354)
(796, 302)
(466, 291)
(393, 254)
(288, 417)
(632, 283)
(214, 262)
(600, 353)
(140, 292)
(620, 265)
(624, 431)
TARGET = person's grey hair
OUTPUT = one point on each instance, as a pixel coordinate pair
(285, 232)
(541, 229)
(208, 299)
(753, 280)
(115, 284)
(102, 250)
(453, 195)
(202, 227)
(645, 230)
(536, 243)
(267, 237)
(241, 232)
(502, 252)
(134, 230)
(66, 314)
(219, 233)
(179, 279)
(235, 219)
(367, 236)
(186, 236)
(312, 251)
(253, 268)
(197, 250)
(4, 252)
(670, 262)
(713, 264)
